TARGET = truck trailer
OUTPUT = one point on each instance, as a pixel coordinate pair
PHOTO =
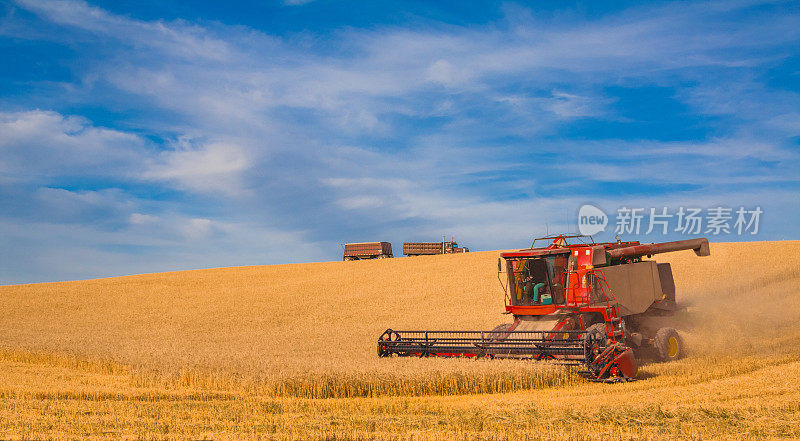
(367, 250)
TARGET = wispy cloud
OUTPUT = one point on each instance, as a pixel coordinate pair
(208, 168)
(178, 39)
(489, 131)
(42, 146)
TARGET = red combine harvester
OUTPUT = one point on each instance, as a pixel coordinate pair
(587, 304)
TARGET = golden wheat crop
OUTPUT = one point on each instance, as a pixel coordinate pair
(288, 352)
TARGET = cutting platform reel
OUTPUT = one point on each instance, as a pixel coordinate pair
(603, 360)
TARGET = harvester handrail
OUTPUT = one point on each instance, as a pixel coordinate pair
(565, 237)
(608, 305)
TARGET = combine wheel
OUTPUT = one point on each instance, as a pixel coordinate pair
(609, 362)
(594, 338)
(598, 332)
(668, 344)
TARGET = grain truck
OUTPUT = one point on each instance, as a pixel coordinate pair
(367, 250)
(430, 248)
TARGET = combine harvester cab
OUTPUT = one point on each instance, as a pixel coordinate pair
(584, 304)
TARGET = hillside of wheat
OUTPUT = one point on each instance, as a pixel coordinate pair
(289, 351)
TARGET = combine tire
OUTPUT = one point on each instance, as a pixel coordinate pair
(595, 337)
(593, 342)
(598, 332)
(668, 344)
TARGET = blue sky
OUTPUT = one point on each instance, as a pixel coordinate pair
(175, 135)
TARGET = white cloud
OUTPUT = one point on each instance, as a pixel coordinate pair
(46, 147)
(570, 105)
(259, 76)
(208, 168)
(178, 39)
(198, 228)
(444, 72)
(361, 202)
(414, 130)
(37, 145)
(55, 251)
(142, 219)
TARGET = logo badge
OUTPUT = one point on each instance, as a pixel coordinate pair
(591, 220)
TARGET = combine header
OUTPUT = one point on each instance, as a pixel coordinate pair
(587, 304)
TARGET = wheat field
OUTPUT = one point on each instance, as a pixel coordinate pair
(289, 352)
